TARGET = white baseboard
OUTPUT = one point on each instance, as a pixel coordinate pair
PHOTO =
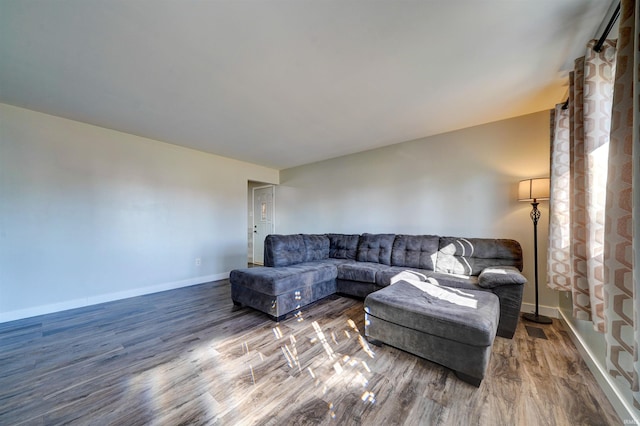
(627, 413)
(103, 298)
(547, 311)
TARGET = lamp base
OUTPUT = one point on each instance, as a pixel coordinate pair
(540, 319)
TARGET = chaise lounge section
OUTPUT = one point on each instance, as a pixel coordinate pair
(303, 268)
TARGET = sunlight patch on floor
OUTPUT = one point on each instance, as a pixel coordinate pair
(331, 371)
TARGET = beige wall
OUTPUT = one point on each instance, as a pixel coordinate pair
(462, 183)
(89, 214)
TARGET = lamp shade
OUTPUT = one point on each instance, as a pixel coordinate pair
(533, 189)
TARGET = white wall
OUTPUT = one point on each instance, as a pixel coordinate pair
(89, 214)
(462, 183)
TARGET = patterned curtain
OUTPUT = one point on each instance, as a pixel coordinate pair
(592, 249)
(559, 271)
(622, 305)
(578, 182)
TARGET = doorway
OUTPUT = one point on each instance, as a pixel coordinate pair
(262, 214)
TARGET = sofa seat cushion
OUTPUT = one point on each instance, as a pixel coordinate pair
(337, 262)
(276, 281)
(465, 316)
(385, 276)
(453, 280)
(360, 271)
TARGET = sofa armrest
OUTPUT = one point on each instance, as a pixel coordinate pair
(496, 276)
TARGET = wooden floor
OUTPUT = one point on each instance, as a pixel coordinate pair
(188, 356)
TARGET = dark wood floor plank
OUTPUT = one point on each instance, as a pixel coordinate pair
(188, 356)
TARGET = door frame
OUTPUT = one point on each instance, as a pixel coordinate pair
(253, 216)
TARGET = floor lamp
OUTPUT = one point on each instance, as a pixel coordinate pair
(533, 190)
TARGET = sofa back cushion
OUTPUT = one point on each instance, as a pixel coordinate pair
(415, 251)
(316, 247)
(284, 250)
(375, 248)
(469, 256)
(343, 246)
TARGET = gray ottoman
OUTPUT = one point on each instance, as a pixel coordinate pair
(452, 327)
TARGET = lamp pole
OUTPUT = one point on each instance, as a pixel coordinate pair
(535, 216)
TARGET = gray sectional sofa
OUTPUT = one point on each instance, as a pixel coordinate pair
(301, 269)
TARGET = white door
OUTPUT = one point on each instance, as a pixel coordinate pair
(263, 223)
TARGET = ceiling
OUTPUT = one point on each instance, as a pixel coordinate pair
(283, 83)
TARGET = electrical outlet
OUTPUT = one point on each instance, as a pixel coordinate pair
(198, 261)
